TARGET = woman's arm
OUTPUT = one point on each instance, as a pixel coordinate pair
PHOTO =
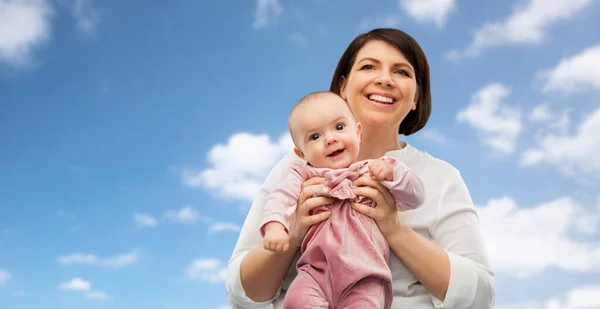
(453, 267)
(458, 233)
(263, 271)
(426, 261)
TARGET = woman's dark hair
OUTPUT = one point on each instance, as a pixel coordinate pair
(416, 119)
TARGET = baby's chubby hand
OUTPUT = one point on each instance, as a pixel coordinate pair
(276, 239)
(381, 170)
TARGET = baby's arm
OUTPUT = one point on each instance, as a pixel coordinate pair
(280, 205)
(276, 239)
(382, 170)
(403, 183)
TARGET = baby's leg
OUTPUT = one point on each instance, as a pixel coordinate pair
(305, 293)
(367, 293)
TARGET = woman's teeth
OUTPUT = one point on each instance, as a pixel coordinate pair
(381, 99)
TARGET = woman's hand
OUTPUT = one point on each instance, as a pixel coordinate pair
(302, 219)
(384, 213)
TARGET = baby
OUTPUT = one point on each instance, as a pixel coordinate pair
(343, 260)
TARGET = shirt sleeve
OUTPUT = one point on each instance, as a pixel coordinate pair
(281, 201)
(458, 232)
(406, 187)
(249, 239)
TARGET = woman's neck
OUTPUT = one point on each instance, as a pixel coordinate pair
(375, 142)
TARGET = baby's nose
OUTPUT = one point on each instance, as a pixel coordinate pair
(331, 139)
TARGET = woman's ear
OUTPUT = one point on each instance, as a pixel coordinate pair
(416, 100)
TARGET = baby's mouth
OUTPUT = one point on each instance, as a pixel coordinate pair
(335, 153)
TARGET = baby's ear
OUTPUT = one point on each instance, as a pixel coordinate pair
(298, 152)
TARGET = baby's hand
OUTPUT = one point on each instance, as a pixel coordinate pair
(276, 239)
(381, 170)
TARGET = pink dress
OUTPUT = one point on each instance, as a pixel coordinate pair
(343, 262)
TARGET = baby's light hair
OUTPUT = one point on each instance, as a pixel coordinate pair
(311, 97)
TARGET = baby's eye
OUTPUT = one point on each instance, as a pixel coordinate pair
(314, 137)
(339, 127)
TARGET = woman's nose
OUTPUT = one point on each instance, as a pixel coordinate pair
(384, 80)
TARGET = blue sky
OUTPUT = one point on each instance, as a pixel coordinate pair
(126, 129)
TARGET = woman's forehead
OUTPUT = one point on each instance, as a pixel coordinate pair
(380, 51)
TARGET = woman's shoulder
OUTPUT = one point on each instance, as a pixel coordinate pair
(280, 170)
(413, 156)
(424, 163)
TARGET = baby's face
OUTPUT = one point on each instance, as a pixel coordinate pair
(325, 133)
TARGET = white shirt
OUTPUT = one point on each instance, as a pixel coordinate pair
(447, 218)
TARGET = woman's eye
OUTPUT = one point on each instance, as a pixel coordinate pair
(339, 127)
(314, 137)
(402, 72)
(367, 67)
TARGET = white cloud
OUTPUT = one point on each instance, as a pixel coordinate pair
(187, 215)
(238, 169)
(144, 220)
(267, 12)
(81, 285)
(528, 24)
(544, 232)
(577, 73)
(574, 154)
(541, 113)
(224, 227)
(98, 295)
(436, 11)
(117, 261)
(497, 124)
(78, 258)
(4, 277)
(86, 16)
(209, 270)
(581, 297)
(24, 27)
(546, 121)
(76, 284)
(434, 135)
(121, 260)
(299, 39)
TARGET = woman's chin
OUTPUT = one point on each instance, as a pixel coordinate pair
(380, 122)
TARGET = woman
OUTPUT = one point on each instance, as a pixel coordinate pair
(438, 258)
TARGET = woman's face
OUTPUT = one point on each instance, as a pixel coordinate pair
(381, 86)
